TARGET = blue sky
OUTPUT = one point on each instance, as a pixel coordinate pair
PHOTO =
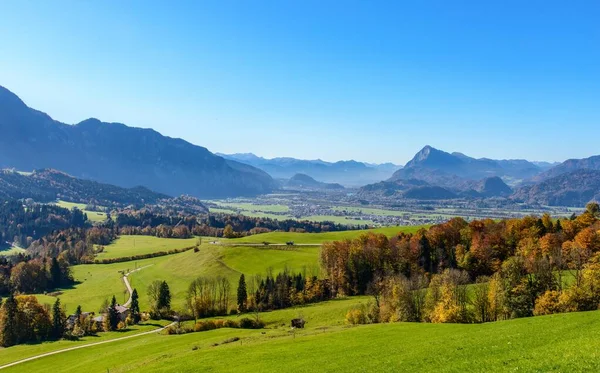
(365, 80)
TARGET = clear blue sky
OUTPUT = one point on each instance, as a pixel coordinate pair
(372, 81)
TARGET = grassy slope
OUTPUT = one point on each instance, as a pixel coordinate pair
(96, 283)
(138, 245)
(15, 353)
(101, 281)
(181, 269)
(566, 342)
(12, 251)
(93, 216)
(317, 238)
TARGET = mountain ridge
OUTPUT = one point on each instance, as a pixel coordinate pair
(121, 155)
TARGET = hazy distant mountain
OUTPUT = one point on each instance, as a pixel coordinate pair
(453, 170)
(348, 173)
(591, 163)
(574, 188)
(491, 187)
(120, 155)
(306, 182)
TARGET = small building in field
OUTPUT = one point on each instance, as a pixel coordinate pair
(71, 319)
(123, 312)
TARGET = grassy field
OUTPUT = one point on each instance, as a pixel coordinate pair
(556, 343)
(12, 251)
(139, 245)
(15, 353)
(93, 216)
(318, 238)
(337, 219)
(97, 282)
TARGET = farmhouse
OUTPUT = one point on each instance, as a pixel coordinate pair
(71, 319)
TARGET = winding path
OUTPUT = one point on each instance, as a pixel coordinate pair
(128, 285)
(130, 290)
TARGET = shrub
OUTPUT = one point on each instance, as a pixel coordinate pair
(247, 323)
(548, 303)
(356, 316)
(202, 326)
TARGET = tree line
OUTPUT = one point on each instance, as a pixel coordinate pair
(480, 271)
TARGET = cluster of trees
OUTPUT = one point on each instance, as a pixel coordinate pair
(72, 245)
(159, 295)
(30, 276)
(23, 319)
(147, 222)
(284, 290)
(514, 268)
(208, 297)
(22, 225)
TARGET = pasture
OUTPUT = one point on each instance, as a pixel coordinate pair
(125, 246)
(93, 216)
(319, 238)
(13, 250)
(563, 342)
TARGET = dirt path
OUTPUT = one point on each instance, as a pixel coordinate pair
(128, 285)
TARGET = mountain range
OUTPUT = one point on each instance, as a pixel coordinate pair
(117, 154)
(435, 174)
(127, 157)
(348, 173)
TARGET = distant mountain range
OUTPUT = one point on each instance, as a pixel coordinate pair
(302, 181)
(348, 173)
(574, 188)
(435, 174)
(449, 169)
(117, 154)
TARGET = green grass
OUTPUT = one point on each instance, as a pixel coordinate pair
(12, 251)
(138, 245)
(101, 281)
(337, 219)
(180, 270)
(319, 238)
(254, 207)
(15, 353)
(556, 343)
(93, 216)
(96, 282)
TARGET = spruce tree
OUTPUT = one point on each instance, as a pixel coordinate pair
(136, 316)
(78, 316)
(8, 322)
(58, 320)
(55, 273)
(164, 297)
(242, 294)
(113, 315)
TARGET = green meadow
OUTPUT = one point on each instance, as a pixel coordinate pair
(97, 282)
(12, 251)
(125, 246)
(93, 216)
(556, 343)
(319, 238)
